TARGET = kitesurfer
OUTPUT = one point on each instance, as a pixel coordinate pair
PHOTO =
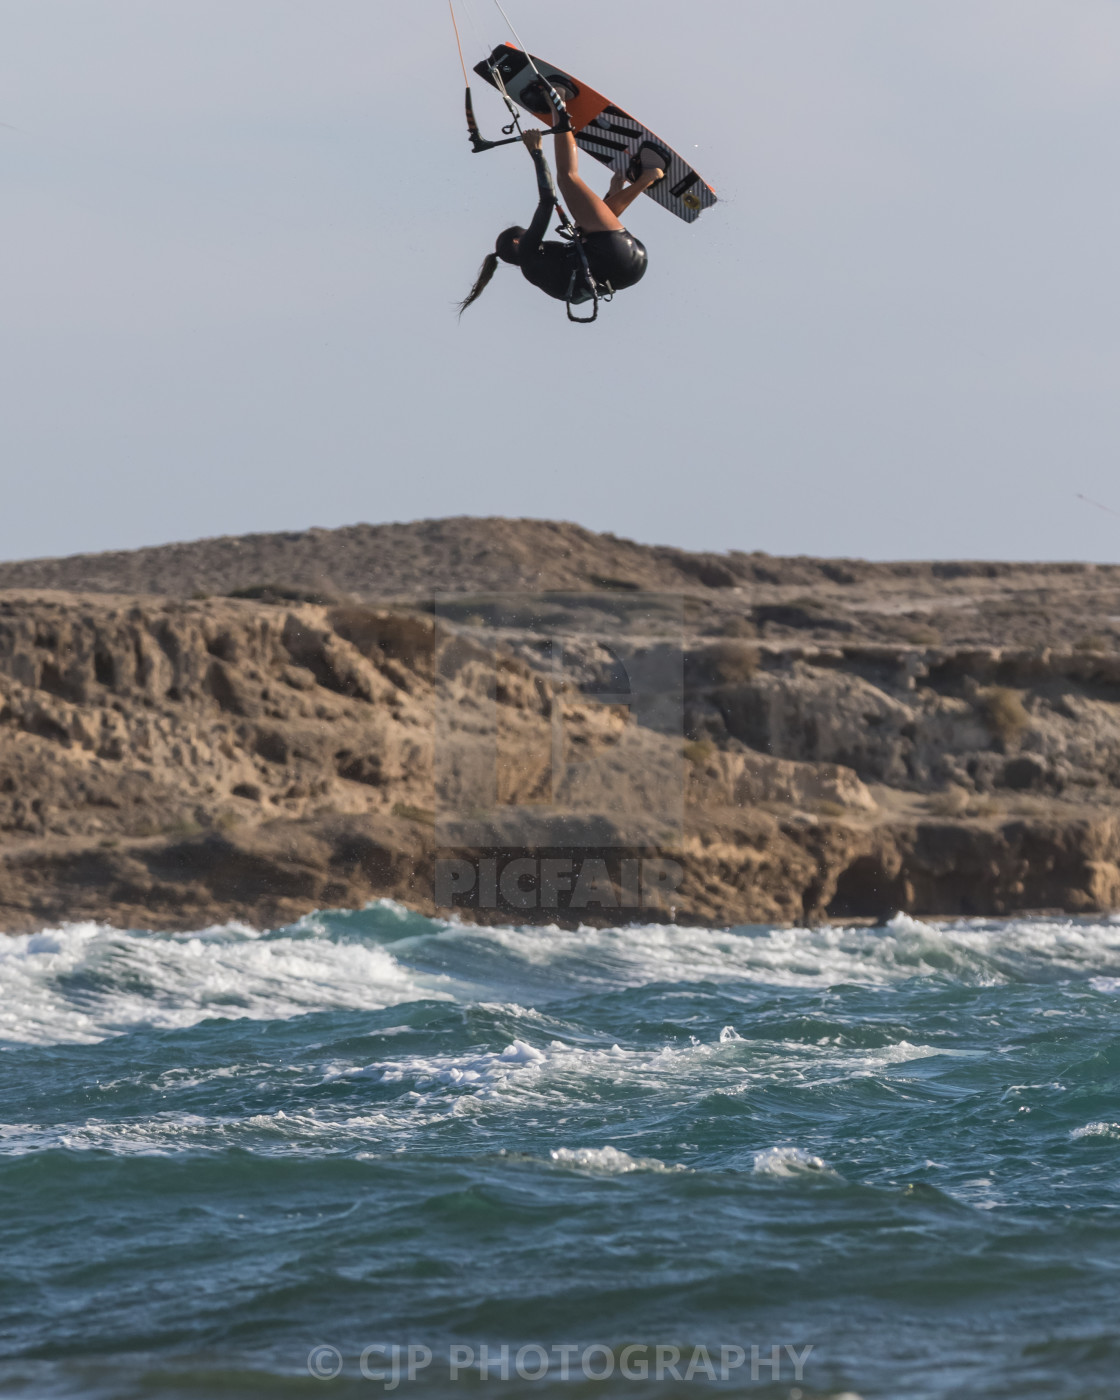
(614, 257)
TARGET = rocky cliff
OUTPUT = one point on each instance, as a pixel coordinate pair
(852, 738)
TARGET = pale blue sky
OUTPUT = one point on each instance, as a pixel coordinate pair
(234, 233)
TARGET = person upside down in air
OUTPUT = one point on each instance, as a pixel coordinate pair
(615, 257)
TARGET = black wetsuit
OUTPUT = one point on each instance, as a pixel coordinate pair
(616, 260)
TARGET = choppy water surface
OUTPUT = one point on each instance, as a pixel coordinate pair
(225, 1153)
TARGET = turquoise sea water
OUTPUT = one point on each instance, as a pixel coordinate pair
(233, 1159)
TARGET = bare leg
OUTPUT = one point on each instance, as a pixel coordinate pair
(622, 195)
(591, 213)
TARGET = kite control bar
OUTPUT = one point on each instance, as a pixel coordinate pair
(479, 143)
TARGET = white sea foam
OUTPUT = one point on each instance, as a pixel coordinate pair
(433, 1089)
(168, 1134)
(519, 1069)
(973, 951)
(1097, 1130)
(84, 982)
(160, 1135)
(607, 1161)
(551, 1074)
(789, 1161)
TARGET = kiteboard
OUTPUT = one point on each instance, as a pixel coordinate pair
(604, 131)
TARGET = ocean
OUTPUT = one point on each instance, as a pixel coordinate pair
(374, 1153)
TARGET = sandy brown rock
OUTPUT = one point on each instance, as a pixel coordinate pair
(823, 601)
(172, 761)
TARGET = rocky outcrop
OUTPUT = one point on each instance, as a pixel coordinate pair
(173, 761)
(824, 601)
(123, 718)
(984, 719)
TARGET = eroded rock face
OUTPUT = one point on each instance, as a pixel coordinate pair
(136, 719)
(918, 720)
(170, 763)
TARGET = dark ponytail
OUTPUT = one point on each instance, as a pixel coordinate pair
(485, 273)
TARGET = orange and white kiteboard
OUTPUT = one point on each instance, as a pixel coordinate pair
(604, 131)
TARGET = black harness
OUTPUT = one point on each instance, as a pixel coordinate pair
(581, 272)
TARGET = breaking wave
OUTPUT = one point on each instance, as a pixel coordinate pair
(82, 983)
